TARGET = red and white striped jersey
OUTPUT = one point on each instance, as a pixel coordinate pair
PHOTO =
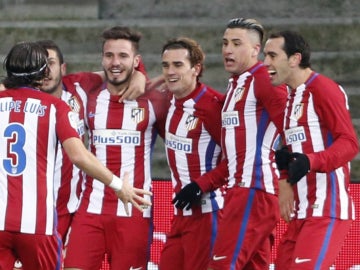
(318, 123)
(121, 135)
(251, 107)
(68, 177)
(192, 140)
(31, 124)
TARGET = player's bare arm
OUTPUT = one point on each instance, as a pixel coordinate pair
(88, 163)
(136, 86)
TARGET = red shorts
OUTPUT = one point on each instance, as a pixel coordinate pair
(34, 251)
(311, 243)
(245, 230)
(64, 222)
(126, 240)
(189, 242)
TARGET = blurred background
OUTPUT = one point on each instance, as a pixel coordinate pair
(332, 28)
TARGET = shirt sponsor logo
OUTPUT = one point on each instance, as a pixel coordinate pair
(137, 114)
(178, 143)
(116, 137)
(230, 119)
(295, 135)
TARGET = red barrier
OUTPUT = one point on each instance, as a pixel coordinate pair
(348, 259)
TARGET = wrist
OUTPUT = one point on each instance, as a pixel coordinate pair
(116, 183)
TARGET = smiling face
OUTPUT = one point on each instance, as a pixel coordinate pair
(119, 61)
(277, 61)
(240, 50)
(180, 76)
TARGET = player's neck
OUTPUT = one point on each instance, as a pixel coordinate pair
(300, 76)
(117, 90)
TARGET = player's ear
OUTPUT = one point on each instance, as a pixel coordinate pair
(137, 60)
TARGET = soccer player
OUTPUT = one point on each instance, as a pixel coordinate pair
(121, 136)
(320, 142)
(31, 122)
(193, 147)
(251, 112)
(73, 88)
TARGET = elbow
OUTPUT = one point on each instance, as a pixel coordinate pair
(76, 158)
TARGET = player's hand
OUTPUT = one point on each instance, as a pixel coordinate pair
(129, 194)
(188, 196)
(298, 168)
(286, 200)
(283, 158)
(136, 87)
(157, 83)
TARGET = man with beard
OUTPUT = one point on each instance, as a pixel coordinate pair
(72, 89)
(121, 136)
(319, 143)
(31, 124)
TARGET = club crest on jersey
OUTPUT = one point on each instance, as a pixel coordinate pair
(137, 114)
(298, 110)
(74, 104)
(239, 92)
(191, 122)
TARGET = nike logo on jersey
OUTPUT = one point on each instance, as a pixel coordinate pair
(132, 268)
(218, 258)
(298, 260)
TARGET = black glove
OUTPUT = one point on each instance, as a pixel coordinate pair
(189, 195)
(283, 158)
(298, 168)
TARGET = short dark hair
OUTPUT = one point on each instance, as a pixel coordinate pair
(295, 43)
(196, 54)
(25, 65)
(51, 45)
(122, 32)
(249, 24)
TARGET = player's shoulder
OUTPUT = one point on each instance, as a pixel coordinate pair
(155, 94)
(81, 77)
(321, 81)
(211, 95)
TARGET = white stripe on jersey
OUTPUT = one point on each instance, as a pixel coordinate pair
(3, 176)
(250, 120)
(100, 123)
(344, 206)
(50, 202)
(82, 94)
(270, 133)
(29, 196)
